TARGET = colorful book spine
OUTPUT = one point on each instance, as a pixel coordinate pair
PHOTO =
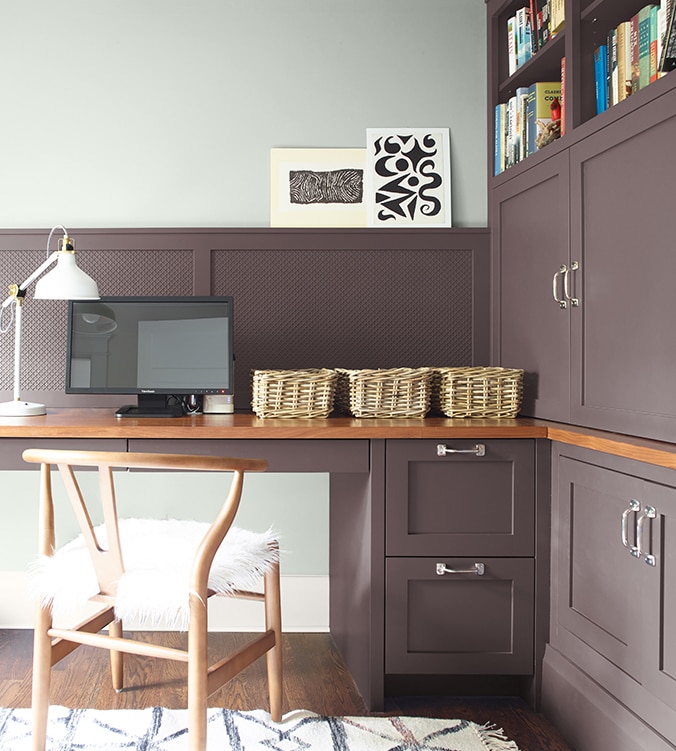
(612, 67)
(557, 16)
(653, 43)
(563, 96)
(511, 44)
(523, 41)
(633, 41)
(521, 137)
(497, 141)
(601, 78)
(623, 60)
(644, 46)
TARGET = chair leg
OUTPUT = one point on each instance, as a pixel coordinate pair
(42, 667)
(116, 658)
(197, 674)
(273, 621)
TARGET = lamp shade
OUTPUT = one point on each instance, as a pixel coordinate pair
(66, 281)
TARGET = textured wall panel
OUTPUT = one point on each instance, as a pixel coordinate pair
(346, 308)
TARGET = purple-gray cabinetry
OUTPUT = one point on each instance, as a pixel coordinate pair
(610, 668)
(460, 557)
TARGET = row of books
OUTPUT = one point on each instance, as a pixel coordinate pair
(636, 53)
(530, 28)
(528, 121)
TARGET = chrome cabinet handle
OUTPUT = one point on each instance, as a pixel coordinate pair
(574, 301)
(634, 506)
(563, 269)
(478, 450)
(648, 513)
(479, 569)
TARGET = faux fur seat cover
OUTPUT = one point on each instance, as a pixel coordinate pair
(157, 556)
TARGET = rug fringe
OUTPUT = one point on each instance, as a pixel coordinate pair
(494, 739)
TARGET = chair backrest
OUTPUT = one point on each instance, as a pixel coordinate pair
(108, 561)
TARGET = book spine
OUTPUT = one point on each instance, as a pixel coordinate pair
(599, 77)
(511, 44)
(534, 34)
(622, 34)
(563, 96)
(653, 43)
(557, 16)
(543, 23)
(644, 47)
(633, 41)
(497, 126)
(668, 58)
(523, 51)
(612, 68)
(521, 116)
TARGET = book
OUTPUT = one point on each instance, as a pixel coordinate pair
(653, 43)
(668, 57)
(611, 44)
(662, 22)
(633, 43)
(563, 96)
(521, 151)
(534, 34)
(601, 78)
(623, 33)
(541, 128)
(543, 23)
(644, 25)
(499, 143)
(523, 48)
(557, 16)
(511, 45)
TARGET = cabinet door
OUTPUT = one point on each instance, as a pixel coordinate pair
(622, 220)
(600, 584)
(459, 623)
(461, 503)
(530, 243)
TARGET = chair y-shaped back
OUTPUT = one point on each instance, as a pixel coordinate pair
(220, 559)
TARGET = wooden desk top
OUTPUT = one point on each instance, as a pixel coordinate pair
(102, 423)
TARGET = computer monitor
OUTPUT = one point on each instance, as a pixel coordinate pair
(168, 351)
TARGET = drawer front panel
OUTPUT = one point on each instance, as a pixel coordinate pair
(460, 623)
(460, 503)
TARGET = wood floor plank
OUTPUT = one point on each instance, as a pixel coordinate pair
(315, 678)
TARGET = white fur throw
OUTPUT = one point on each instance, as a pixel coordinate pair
(157, 557)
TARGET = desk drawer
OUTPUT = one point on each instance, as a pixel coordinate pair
(282, 455)
(459, 623)
(466, 503)
(12, 448)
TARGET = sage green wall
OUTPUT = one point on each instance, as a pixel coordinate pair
(142, 113)
(133, 113)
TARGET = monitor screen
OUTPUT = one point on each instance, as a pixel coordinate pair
(163, 349)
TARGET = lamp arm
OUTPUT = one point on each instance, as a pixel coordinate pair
(24, 285)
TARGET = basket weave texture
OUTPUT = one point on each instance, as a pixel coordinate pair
(293, 393)
(478, 392)
(394, 392)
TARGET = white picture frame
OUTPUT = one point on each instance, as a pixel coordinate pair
(409, 177)
(318, 187)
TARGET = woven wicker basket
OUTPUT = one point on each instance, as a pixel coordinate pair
(479, 392)
(293, 393)
(395, 392)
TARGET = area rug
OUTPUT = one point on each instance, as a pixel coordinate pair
(160, 729)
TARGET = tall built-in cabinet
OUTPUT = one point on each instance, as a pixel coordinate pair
(583, 240)
(583, 263)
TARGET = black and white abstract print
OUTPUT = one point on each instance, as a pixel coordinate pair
(410, 174)
(329, 186)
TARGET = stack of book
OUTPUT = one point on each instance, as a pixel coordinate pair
(528, 30)
(528, 121)
(636, 53)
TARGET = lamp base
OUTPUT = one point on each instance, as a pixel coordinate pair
(18, 408)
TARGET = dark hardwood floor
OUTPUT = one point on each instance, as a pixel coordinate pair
(315, 678)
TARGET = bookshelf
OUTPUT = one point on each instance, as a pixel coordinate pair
(587, 24)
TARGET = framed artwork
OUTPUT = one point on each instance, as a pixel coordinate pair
(317, 188)
(409, 177)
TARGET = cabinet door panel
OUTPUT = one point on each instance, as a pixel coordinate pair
(622, 219)
(599, 592)
(530, 238)
(459, 623)
(460, 504)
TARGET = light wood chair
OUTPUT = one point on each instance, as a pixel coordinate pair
(106, 548)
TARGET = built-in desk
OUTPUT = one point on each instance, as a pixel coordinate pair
(354, 452)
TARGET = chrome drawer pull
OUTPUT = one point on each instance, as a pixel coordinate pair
(574, 301)
(478, 450)
(479, 569)
(634, 506)
(648, 513)
(555, 292)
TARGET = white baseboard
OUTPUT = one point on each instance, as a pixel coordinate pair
(305, 606)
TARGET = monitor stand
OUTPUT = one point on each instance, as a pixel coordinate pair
(150, 405)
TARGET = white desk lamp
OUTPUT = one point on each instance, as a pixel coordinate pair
(65, 282)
